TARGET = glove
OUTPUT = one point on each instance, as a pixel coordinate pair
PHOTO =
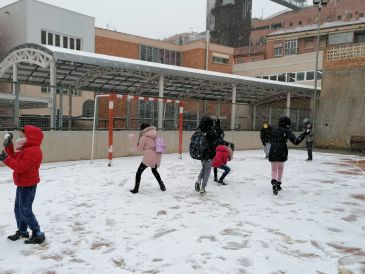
(307, 131)
(8, 139)
(3, 156)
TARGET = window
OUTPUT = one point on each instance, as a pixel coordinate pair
(44, 37)
(282, 77)
(339, 17)
(309, 43)
(155, 55)
(72, 43)
(265, 77)
(290, 77)
(65, 42)
(278, 52)
(291, 47)
(310, 75)
(340, 38)
(149, 54)
(300, 23)
(88, 108)
(274, 77)
(50, 39)
(78, 44)
(143, 53)
(290, 24)
(319, 75)
(57, 40)
(220, 60)
(178, 58)
(300, 76)
(361, 14)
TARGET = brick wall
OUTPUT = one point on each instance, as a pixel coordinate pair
(114, 47)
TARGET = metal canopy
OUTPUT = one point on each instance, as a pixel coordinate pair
(103, 73)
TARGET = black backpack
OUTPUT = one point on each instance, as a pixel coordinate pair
(199, 148)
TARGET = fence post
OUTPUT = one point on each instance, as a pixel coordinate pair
(233, 107)
(111, 127)
(181, 116)
(16, 90)
(69, 109)
(53, 95)
(160, 103)
(60, 117)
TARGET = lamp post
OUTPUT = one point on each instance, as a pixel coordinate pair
(319, 4)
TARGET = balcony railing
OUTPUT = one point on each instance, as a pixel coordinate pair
(345, 52)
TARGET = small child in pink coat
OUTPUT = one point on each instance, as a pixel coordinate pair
(147, 144)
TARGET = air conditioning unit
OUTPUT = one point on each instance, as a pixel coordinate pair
(324, 3)
(316, 2)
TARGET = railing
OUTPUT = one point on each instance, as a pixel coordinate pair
(344, 52)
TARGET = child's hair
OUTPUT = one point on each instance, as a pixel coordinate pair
(144, 125)
(231, 146)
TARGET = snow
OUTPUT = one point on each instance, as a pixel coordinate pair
(94, 225)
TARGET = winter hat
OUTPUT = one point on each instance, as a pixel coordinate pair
(284, 122)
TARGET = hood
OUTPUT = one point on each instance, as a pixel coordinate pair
(149, 132)
(206, 123)
(284, 122)
(221, 148)
(34, 136)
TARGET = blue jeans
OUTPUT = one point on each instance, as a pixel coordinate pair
(23, 209)
(225, 173)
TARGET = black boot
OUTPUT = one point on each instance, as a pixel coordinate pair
(162, 186)
(36, 238)
(18, 235)
(215, 171)
(278, 185)
(221, 182)
(135, 189)
(275, 189)
(197, 186)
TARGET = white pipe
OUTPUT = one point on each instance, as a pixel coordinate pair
(94, 125)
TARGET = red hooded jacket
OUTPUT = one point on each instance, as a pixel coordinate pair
(222, 156)
(26, 162)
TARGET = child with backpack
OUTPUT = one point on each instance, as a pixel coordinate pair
(152, 147)
(222, 156)
(278, 154)
(24, 158)
(202, 147)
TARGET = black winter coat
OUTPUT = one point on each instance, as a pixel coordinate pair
(265, 135)
(278, 140)
(206, 125)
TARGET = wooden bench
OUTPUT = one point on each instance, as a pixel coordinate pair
(357, 142)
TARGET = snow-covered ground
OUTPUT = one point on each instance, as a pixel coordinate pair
(93, 224)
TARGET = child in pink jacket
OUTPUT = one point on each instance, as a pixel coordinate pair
(151, 158)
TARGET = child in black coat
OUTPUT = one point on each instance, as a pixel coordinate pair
(279, 150)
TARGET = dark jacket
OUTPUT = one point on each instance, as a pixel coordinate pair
(265, 135)
(279, 138)
(206, 125)
(219, 130)
(26, 163)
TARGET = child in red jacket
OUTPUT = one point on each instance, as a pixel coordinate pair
(24, 158)
(222, 156)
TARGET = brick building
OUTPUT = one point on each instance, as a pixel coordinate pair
(191, 55)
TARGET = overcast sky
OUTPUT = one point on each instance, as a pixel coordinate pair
(151, 18)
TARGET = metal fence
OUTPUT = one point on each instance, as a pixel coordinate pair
(23, 105)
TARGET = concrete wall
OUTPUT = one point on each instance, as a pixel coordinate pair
(42, 16)
(12, 26)
(341, 110)
(287, 64)
(61, 146)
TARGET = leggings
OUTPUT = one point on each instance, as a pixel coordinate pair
(277, 169)
(142, 168)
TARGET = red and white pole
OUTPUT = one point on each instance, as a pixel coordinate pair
(181, 112)
(111, 126)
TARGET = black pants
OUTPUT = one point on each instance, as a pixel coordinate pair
(140, 170)
(310, 150)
